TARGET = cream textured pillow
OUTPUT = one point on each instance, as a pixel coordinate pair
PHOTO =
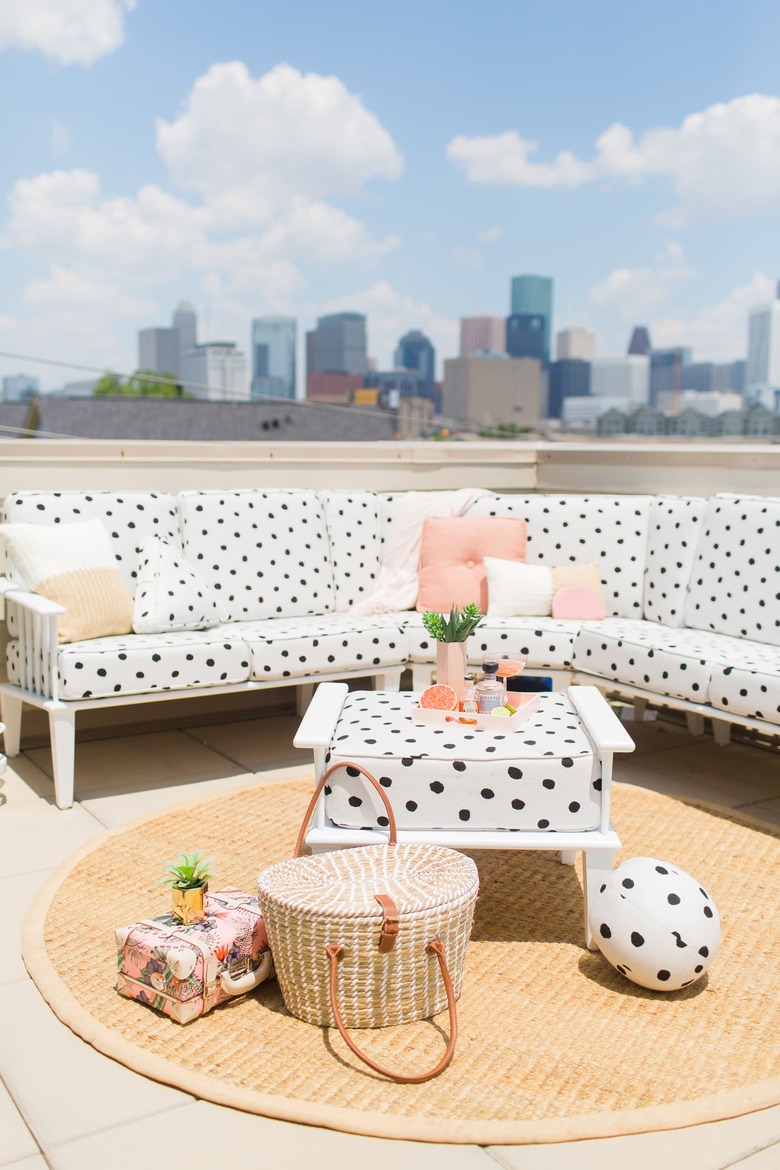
(171, 594)
(516, 589)
(576, 574)
(74, 565)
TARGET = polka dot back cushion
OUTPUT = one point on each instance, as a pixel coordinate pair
(735, 582)
(354, 533)
(265, 552)
(675, 525)
(610, 531)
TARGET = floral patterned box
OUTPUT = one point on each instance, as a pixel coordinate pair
(185, 971)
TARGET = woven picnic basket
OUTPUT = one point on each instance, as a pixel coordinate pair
(370, 936)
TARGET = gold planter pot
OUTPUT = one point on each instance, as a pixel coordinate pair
(189, 906)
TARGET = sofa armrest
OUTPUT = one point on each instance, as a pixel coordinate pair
(37, 632)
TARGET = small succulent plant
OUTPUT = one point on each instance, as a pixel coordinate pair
(188, 872)
(460, 625)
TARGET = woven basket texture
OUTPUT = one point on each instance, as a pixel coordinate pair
(310, 903)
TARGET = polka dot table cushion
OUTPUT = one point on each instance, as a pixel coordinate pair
(265, 552)
(542, 777)
(655, 924)
(608, 530)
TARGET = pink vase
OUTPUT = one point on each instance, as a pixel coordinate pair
(451, 664)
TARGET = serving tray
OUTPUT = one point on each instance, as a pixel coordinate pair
(526, 704)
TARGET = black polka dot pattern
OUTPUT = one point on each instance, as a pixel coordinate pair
(328, 644)
(448, 776)
(674, 528)
(354, 532)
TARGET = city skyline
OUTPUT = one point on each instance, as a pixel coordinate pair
(272, 166)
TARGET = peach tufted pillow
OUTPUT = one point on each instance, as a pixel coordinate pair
(451, 554)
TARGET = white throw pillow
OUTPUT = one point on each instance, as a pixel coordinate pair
(171, 594)
(516, 589)
(74, 565)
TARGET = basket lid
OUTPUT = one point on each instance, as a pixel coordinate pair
(344, 882)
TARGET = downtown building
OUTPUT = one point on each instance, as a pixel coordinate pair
(273, 343)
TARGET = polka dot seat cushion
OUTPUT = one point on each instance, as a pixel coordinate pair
(137, 664)
(678, 663)
(321, 645)
(750, 686)
(543, 776)
(547, 643)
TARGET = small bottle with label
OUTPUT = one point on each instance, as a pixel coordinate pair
(469, 692)
(470, 712)
(490, 692)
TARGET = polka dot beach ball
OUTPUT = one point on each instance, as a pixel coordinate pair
(655, 924)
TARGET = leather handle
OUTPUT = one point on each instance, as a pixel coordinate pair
(435, 947)
(323, 781)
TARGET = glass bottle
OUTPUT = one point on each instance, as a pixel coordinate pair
(469, 692)
(490, 692)
(470, 711)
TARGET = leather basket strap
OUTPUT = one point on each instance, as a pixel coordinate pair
(435, 947)
(323, 781)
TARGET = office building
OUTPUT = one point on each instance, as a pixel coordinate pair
(273, 357)
(666, 372)
(640, 341)
(339, 345)
(482, 335)
(569, 378)
(577, 343)
(621, 379)
(534, 295)
(763, 359)
(484, 390)
(185, 322)
(216, 370)
(416, 352)
(18, 387)
(162, 349)
(525, 336)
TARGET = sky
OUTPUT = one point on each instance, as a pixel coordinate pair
(404, 161)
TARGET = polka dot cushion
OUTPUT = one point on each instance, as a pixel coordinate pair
(137, 664)
(750, 686)
(547, 643)
(328, 644)
(608, 530)
(655, 924)
(463, 778)
(675, 525)
(129, 518)
(644, 654)
(354, 531)
(266, 553)
(735, 584)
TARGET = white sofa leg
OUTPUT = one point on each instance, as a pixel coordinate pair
(389, 680)
(721, 732)
(12, 718)
(695, 721)
(597, 865)
(422, 675)
(568, 856)
(62, 730)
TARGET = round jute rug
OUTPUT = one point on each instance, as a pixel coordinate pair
(554, 1045)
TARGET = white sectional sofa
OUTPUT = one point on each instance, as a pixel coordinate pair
(691, 589)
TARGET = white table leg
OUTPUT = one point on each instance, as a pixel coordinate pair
(568, 856)
(597, 864)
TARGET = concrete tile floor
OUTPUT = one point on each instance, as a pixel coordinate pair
(99, 1113)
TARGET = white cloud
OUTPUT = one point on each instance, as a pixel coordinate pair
(74, 32)
(637, 292)
(717, 332)
(390, 315)
(489, 235)
(721, 161)
(80, 290)
(60, 138)
(272, 137)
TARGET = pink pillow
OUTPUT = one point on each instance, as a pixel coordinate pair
(579, 603)
(451, 552)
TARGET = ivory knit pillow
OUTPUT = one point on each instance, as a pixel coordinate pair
(516, 589)
(74, 565)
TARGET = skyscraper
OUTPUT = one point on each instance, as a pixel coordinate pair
(666, 374)
(525, 336)
(569, 378)
(763, 359)
(185, 323)
(273, 356)
(162, 350)
(576, 344)
(534, 295)
(416, 352)
(340, 344)
(482, 335)
(640, 341)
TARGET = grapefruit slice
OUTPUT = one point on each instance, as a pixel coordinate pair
(439, 698)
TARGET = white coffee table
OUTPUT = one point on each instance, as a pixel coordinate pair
(546, 785)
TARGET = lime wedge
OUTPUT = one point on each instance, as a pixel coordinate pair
(503, 712)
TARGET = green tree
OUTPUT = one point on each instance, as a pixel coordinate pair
(142, 384)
